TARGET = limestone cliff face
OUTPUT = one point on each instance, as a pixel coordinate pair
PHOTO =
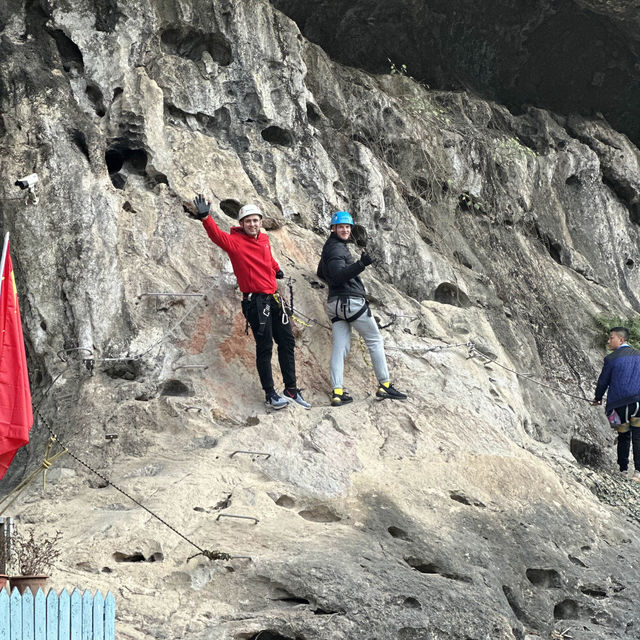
(574, 56)
(466, 512)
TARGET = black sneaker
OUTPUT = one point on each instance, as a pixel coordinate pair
(390, 392)
(296, 397)
(275, 401)
(337, 400)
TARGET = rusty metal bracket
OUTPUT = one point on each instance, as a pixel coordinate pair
(230, 515)
(252, 453)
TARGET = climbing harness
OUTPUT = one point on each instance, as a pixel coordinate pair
(344, 303)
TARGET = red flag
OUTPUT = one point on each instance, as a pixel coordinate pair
(16, 417)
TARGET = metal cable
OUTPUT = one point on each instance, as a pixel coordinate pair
(212, 555)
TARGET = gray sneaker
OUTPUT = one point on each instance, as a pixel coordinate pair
(287, 395)
(636, 476)
(275, 401)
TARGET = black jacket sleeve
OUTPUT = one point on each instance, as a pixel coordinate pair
(338, 271)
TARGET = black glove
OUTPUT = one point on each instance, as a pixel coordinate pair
(279, 274)
(365, 258)
(202, 207)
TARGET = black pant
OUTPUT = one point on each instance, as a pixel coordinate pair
(265, 319)
(629, 438)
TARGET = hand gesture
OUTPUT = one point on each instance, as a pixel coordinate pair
(202, 207)
(366, 259)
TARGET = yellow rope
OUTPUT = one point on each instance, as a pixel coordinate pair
(46, 464)
(276, 297)
(364, 353)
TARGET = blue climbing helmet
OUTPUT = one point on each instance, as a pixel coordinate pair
(341, 217)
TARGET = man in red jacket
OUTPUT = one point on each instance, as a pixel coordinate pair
(256, 272)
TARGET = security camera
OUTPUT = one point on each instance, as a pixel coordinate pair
(28, 182)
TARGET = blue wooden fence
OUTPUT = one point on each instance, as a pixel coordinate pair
(57, 617)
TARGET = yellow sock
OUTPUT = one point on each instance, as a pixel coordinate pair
(337, 392)
(385, 384)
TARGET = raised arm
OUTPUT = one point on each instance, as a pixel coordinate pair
(217, 235)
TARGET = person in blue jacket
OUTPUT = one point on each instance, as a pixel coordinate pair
(621, 376)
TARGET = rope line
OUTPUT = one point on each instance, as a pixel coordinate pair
(212, 555)
(473, 350)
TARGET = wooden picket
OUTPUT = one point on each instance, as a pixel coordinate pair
(57, 617)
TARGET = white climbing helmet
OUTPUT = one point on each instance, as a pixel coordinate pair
(249, 210)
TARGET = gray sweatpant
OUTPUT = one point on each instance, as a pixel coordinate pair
(366, 326)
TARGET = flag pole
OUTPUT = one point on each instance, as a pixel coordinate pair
(2, 260)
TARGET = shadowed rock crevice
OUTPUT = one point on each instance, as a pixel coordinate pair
(190, 43)
(432, 568)
(70, 55)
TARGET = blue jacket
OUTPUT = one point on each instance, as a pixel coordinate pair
(621, 374)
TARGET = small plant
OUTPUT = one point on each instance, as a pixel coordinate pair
(606, 323)
(34, 556)
(398, 70)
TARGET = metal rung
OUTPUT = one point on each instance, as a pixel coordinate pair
(168, 293)
(191, 366)
(230, 515)
(65, 351)
(252, 453)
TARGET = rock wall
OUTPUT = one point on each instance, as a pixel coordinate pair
(576, 56)
(467, 512)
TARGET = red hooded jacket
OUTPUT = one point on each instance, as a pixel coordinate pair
(251, 259)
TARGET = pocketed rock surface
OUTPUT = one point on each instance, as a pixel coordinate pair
(486, 506)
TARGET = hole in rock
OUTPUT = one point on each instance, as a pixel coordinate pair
(548, 578)
(95, 97)
(138, 556)
(320, 513)
(230, 208)
(175, 388)
(577, 561)
(629, 262)
(462, 259)
(80, 140)
(572, 180)
(125, 557)
(107, 570)
(268, 634)
(397, 532)
(224, 503)
(123, 370)
(277, 135)
(286, 502)
(566, 610)
(412, 603)
(433, 569)
(459, 496)
(120, 157)
(69, 53)
(313, 113)
(292, 600)
(586, 453)
(192, 43)
(252, 421)
(593, 591)
(448, 293)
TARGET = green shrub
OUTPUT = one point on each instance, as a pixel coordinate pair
(606, 323)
